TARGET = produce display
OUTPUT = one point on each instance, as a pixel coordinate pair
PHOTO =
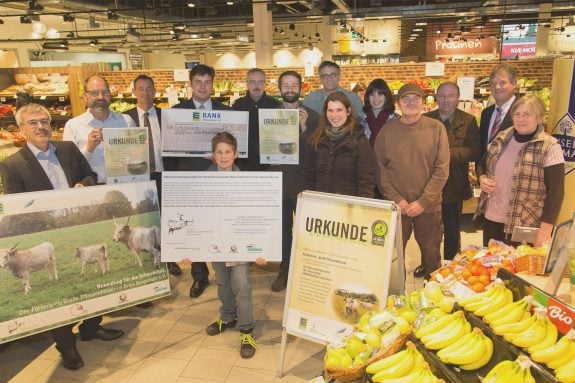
(509, 371)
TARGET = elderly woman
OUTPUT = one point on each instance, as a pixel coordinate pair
(521, 176)
(378, 108)
(338, 157)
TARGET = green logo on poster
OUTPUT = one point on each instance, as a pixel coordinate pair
(378, 231)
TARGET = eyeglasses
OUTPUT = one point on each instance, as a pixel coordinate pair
(96, 93)
(326, 76)
(410, 100)
(37, 123)
(253, 82)
(446, 96)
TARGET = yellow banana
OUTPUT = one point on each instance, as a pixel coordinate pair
(479, 297)
(512, 328)
(401, 368)
(566, 373)
(498, 370)
(554, 352)
(509, 376)
(437, 325)
(458, 346)
(512, 314)
(384, 363)
(485, 357)
(562, 360)
(414, 377)
(501, 299)
(428, 377)
(532, 336)
(550, 337)
(528, 377)
(470, 354)
(447, 335)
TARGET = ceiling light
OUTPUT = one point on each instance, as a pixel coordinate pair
(25, 20)
(52, 33)
(317, 35)
(229, 2)
(38, 27)
(93, 42)
(291, 26)
(68, 18)
(421, 23)
(439, 31)
(417, 29)
(34, 6)
(112, 15)
(191, 4)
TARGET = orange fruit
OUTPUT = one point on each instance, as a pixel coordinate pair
(465, 274)
(485, 279)
(444, 272)
(472, 280)
(478, 287)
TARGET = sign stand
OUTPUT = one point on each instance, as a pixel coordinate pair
(346, 257)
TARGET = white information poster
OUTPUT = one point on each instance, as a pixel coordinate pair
(84, 265)
(434, 69)
(279, 136)
(221, 216)
(189, 132)
(466, 87)
(126, 153)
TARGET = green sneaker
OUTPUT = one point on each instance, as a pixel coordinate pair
(219, 327)
(248, 345)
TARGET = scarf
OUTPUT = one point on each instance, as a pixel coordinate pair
(336, 134)
(375, 124)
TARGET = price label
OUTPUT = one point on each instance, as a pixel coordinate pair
(522, 90)
(120, 95)
(42, 97)
(61, 98)
(217, 94)
(63, 113)
(482, 90)
(3, 99)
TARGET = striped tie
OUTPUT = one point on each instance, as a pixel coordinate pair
(496, 123)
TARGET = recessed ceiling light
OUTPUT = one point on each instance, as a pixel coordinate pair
(191, 4)
(421, 23)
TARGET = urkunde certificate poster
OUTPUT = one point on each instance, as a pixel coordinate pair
(221, 216)
(279, 136)
(127, 154)
(67, 255)
(189, 132)
(340, 264)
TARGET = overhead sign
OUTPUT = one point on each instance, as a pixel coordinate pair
(519, 40)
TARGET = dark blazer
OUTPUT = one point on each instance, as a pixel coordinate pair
(196, 163)
(21, 172)
(484, 126)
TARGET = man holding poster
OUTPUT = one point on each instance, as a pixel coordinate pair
(86, 129)
(45, 165)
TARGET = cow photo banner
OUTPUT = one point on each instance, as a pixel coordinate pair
(67, 255)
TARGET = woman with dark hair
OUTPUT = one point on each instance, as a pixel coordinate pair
(338, 157)
(521, 177)
(378, 108)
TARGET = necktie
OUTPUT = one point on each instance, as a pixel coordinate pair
(202, 106)
(150, 142)
(496, 123)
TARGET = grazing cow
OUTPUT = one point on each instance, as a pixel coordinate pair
(138, 239)
(96, 255)
(24, 262)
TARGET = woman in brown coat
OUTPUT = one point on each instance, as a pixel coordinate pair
(339, 159)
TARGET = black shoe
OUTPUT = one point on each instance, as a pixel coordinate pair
(105, 334)
(281, 281)
(219, 327)
(71, 358)
(198, 288)
(145, 305)
(419, 272)
(174, 269)
(247, 344)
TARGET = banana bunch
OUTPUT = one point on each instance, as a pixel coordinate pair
(541, 334)
(560, 357)
(507, 371)
(521, 325)
(472, 351)
(488, 301)
(444, 331)
(405, 366)
(510, 313)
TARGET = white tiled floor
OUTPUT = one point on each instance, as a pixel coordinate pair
(168, 344)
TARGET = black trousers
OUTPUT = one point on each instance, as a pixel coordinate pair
(65, 338)
(451, 215)
(288, 209)
(494, 230)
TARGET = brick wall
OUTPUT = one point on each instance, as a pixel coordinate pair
(539, 69)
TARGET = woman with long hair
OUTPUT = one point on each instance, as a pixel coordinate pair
(378, 108)
(338, 157)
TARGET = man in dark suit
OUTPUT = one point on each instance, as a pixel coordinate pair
(202, 81)
(496, 118)
(146, 114)
(464, 147)
(45, 165)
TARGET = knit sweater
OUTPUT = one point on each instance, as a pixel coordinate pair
(413, 161)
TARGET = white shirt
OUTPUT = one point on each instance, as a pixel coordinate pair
(504, 109)
(156, 134)
(78, 128)
(51, 165)
(207, 105)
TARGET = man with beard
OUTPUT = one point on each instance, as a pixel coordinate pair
(86, 131)
(255, 99)
(290, 88)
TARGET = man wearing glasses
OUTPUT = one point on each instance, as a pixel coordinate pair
(413, 157)
(254, 99)
(329, 77)
(86, 129)
(46, 165)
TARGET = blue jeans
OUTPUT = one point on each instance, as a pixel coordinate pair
(235, 293)
(451, 214)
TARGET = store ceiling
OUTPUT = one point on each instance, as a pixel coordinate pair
(216, 24)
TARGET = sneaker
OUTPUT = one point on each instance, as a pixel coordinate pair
(248, 345)
(219, 327)
(198, 288)
(281, 281)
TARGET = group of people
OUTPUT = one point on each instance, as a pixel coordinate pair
(419, 161)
